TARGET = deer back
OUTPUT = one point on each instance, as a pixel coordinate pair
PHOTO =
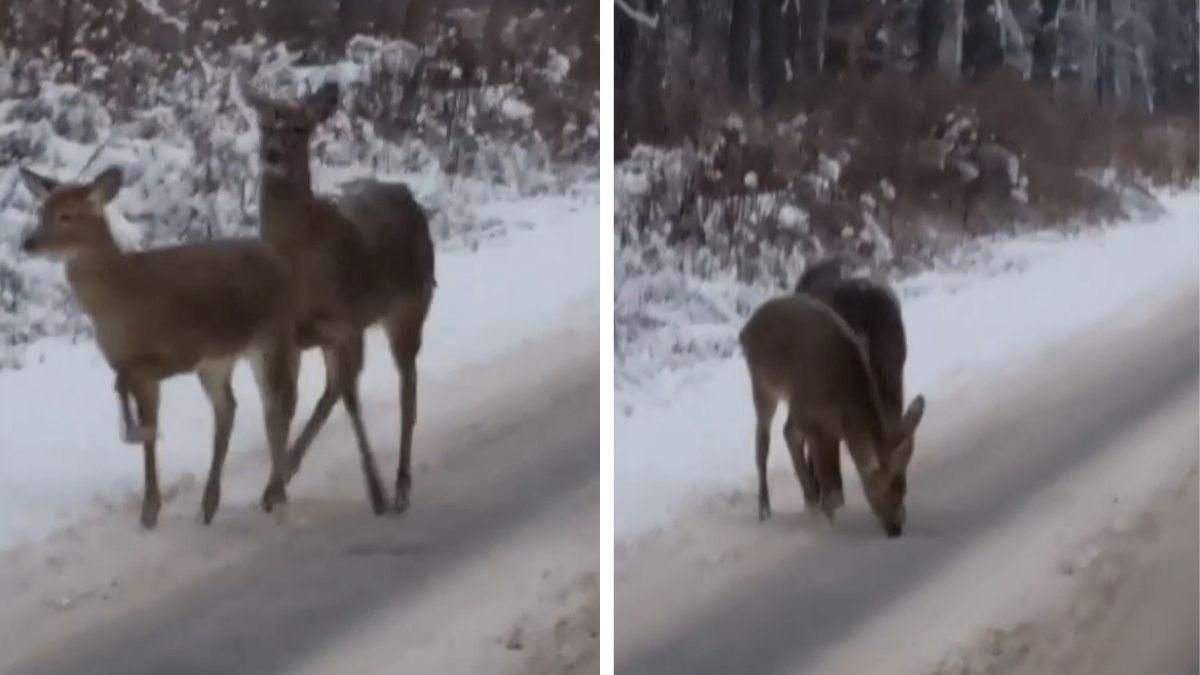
(870, 308)
(802, 350)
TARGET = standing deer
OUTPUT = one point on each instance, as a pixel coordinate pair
(193, 308)
(800, 351)
(872, 311)
(365, 259)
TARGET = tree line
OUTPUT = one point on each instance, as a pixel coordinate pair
(1140, 56)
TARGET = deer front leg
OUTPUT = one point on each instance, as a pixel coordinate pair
(276, 366)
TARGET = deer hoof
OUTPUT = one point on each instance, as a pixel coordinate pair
(273, 495)
(764, 509)
(403, 488)
(208, 507)
(150, 508)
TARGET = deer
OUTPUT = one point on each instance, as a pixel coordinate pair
(872, 310)
(192, 308)
(363, 259)
(799, 351)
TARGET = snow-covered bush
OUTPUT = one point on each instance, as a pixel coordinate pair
(188, 145)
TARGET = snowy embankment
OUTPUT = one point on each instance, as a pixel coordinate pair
(687, 434)
(60, 457)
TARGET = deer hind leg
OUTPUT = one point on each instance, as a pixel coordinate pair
(826, 462)
(764, 409)
(319, 414)
(215, 377)
(794, 436)
(348, 366)
(145, 394)
(276, 365)
(404, 328)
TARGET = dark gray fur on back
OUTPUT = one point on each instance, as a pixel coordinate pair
(872, 310)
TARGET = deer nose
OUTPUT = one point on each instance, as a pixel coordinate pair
(30, 244)
(892, 530)
(273, 156)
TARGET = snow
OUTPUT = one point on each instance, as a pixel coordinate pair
(687, 433)
(60, 457)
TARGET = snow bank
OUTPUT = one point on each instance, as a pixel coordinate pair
(59, 453)
(689, 431)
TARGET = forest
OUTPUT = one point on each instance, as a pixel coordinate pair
(755, 136)
(463, 99)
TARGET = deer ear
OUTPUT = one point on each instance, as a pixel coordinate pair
(322, 103)
(254, 97)
(902, 455)
(912, 416)
(39, 186)
(107, 185)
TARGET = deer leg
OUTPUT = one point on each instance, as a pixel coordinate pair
(764, 408)
(145, 392)
(319, 414)
(349, 365)
(275, 369)
(404, 335)
(131, 431)
(794, 437)
(827, 467)
(215, 378)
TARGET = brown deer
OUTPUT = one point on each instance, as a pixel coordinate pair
(192, 308)
(872, 311)
(800, 351)
(364, 259)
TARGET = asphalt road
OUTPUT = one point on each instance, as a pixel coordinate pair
(1073, 412)
(273, 612)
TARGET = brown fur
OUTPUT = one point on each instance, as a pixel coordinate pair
(194, 308)
(364, 259)
(800, 351)
(872, 311)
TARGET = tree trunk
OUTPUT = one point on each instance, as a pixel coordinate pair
(1045, 43)
(65, 41)
(930, 26)
(982, 51)
(739, 49)
(770, 53)
(812, 34)
(695, 23)
(791, 36)
(1105, 81)
(950, 51)
(624, 47)
(650, 76)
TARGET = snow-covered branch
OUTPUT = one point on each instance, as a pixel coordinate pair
(643, 18)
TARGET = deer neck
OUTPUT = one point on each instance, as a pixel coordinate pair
(285, 200)
(96, 276)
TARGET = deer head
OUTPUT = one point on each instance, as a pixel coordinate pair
(71, 219)
(884, 475)
(287, 128)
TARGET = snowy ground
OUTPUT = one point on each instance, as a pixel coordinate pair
(60, 458)
(687, 435)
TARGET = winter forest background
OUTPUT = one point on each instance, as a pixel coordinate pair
(754, 135)
(467, 100)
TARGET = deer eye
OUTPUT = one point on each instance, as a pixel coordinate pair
(64, 218)
(300, 130)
